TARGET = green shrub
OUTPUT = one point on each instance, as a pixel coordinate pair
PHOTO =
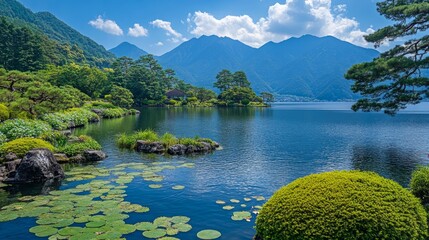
(168, 139)
(21, 146)
(4, 113)
(56, 120)
(129, 141)
(78, 147)
(113, 113)
(3, 138)
(189, 142)
(56, 138)
(420, 184)
(342, 205)
(73, 117)
(99, 104)
(20, 128)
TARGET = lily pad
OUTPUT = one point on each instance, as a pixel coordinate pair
(95, 224)
(247, 199)
(178, 187)
(234, 200)
(70, 231)
(156, 233)
(243, 205)
(180, 219)
(6, 216)
(145, 226)
(182, 227)
(168, 238)
(209, 234)
(155, 186)
(220, 202)
(228, 207)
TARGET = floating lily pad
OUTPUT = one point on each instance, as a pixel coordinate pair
(155, 186)
(234, 201)
(243, 215)
(228, 207)
(178, 187)
(247, 199)
(259, 198)
(156, 233)
(145, 226)
(6, 216)
(243, 205)
(172, 231)
(110, 235)
(125, 228)
(182, 227)
(220, 202)
(95, 224)
(70, 231)
(180, 219)
(209, 234)
(168, 238)
(258, 207)
(64, 223)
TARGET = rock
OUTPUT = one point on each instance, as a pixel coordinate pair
(137, 112)
(12, 165)
(38, 165)
(78, 158)
(10, 157)
(178, 149)
(191, 149)
(216, 145)
(94, 155)
(67, 133)
(150, 147)
(61, 158)
(97, 111)
(204, 148)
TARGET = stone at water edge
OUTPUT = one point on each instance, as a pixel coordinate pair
(94, 156)
(61, 158)
(149, 147)
(38, 165)
(10, 157)
(178, 149)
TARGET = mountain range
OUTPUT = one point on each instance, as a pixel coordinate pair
(305, 68)
(127, 49)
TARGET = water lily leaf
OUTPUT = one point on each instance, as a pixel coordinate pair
(6, 216)
(182, 227)
(234, 201)
(95, 224)
(162, 221)
(258, 207)
(243, 205)
(220, 202)
(172, 231)
(125, 228)
(209, 234)
(247, 199)
(156, 233)
(109, 235)
(64, 223)
(180, 219)
(70, 231)
(228, 207)
(48, 232)
(168, 238)
(178, 187)
(145, 226)
(155, 186)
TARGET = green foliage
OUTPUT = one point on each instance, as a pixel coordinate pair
(20, 128)
(189, 142)
(129, 141)
(226, 80)
(420, 184)
(4, 113)
(168, 139)
(3, 138)
(21, 146)
(56, 138)
(79, 146)
(396, 78)
(113, 113)
(121, 97)
(239, 95)
(71, 118)
(267, 97)
(342, 205)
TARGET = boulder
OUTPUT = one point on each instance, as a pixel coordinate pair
(204, 148)
(61, 158)
(94, 155)
(178, 149)
(150, 147)
(38, 165)
(77, 159)
(97, 111)
(66, 133)
(10, 157)
(191, 149)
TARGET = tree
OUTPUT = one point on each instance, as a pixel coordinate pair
(267, 97)
(224, 80)
(399, 76)
(121, 97)
(239, 79)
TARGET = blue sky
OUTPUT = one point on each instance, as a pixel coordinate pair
(157, 26)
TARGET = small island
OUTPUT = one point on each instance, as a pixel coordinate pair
(148, 141)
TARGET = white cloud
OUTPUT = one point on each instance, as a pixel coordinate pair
(175, 36)
(293, 18)
(107, 26)
(137, 31)
(160, 44)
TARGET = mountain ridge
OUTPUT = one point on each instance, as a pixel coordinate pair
(126, 49)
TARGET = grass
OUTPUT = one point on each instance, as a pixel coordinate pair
(167, 139)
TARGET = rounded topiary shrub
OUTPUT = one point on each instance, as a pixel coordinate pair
(420, 184)
(342, 205)
(21, 146)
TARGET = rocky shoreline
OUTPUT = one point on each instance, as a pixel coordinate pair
(176, 149)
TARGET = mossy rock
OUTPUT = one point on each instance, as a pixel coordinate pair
(342, 205)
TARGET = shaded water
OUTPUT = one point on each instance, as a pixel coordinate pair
(263, 149)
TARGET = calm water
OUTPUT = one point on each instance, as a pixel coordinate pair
(263, 149)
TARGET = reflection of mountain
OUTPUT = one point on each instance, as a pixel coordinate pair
(393, 163)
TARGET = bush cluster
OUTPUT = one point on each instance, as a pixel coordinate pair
(3, 138)
(78, 146)
(420, 184)
(21, 146)
(4, 113)
(342, 205)
(113, 113)
(72, 118)
(20, 128)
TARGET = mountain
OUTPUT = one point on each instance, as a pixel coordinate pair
(55, 29)
(309, 67)
(127, 49)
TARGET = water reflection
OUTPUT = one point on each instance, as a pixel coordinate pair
(393, 162)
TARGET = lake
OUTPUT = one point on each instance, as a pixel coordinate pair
(263, 149)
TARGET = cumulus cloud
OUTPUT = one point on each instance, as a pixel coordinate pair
(107, 26)
(166, 26)
(137, 31)
(159, 44)
(293, 18)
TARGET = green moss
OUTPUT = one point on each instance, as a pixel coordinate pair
(78, 147)
(4, 113)
(22, 145)
(420, 184)
(342, 205)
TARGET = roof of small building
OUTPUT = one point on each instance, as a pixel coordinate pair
(175, 93)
